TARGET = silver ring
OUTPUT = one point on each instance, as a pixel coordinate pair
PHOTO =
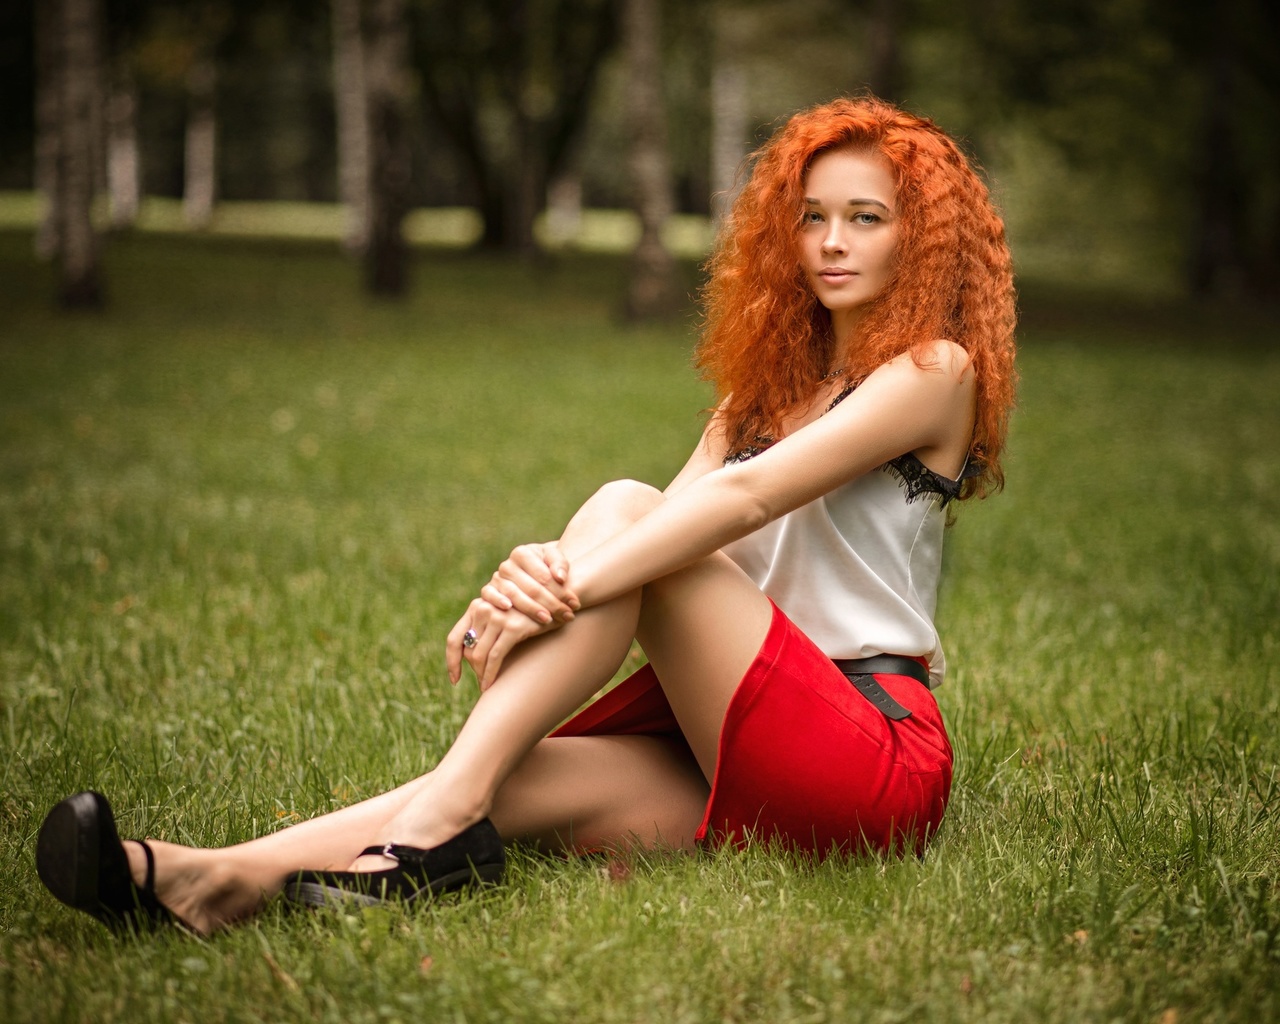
(469, 638)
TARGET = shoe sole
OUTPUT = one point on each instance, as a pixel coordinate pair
(67, 853)
(314, 894)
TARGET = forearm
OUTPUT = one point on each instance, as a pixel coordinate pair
(699, 519)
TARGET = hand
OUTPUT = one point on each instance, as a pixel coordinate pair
(534, 580)
(497, 631)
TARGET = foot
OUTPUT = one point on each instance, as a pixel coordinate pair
(426, 822)
(196, 885)
(473, 857)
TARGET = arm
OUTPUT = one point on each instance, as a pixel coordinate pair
(901, 407)
(707, 456)
(532, 579)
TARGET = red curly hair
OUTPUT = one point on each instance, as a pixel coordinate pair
(767, 341)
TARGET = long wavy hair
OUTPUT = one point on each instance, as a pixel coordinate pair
(767, 341)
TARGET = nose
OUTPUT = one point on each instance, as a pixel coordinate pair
(834, 242)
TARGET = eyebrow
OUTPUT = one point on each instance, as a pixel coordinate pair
(852, 202)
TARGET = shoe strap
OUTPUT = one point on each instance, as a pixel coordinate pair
(150, 884)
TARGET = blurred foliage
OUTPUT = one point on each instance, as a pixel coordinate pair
(1130, 142)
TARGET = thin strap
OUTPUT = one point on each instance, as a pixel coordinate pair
(150, 884)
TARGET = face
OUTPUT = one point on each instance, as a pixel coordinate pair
(849, 232)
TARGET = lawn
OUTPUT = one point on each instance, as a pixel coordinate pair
(240, 509)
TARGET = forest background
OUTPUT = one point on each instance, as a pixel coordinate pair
(1131, 143)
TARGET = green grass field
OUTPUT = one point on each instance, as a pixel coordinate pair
(239, 511)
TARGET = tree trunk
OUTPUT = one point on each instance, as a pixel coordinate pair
(729, 128)
(351, 108)
(1216, 258)
(386, 73)
(48, 124)
(564, 207)
(526, 181)
(652, 291)
(123, 161)
(885, 53)
(200, 170)
(78, 64)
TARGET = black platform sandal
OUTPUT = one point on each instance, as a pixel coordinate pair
(473, 857)
(81, 860)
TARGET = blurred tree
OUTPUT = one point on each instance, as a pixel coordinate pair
(730, 127)
(652, 291)
(48, 126)
(69, 48)
(124, 162)
(208, 24)
(884, 47)
(386, 80)
(510, 82)
(1158, 92)
(351, 99)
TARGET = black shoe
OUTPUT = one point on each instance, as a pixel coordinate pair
(81, 860)
(474, 856)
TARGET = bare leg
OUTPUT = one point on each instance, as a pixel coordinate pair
(565, 789)
(568, 793)
(701, 626)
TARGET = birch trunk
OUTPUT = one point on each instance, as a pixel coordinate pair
(48, 118)
(729, 114)
(386, 61)
(351, 110)
(124, 178)
(80, 277)
(652, 290)
(200, 177)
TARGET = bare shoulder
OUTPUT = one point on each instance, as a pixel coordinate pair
(940, 364)
(943, 355)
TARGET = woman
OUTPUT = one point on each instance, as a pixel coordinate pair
(859, 331)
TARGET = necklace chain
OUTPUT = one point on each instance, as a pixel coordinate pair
(834, 373)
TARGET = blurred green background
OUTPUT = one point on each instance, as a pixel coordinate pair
(1133, 144)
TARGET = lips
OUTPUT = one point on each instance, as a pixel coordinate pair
(836, 274)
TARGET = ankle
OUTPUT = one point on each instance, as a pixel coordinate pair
(435, 815)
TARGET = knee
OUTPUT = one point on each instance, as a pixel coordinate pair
(607, 512)
(625, 499)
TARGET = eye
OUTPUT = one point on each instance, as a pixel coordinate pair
(865, 218)
(811, 217)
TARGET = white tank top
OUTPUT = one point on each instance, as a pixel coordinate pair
(857, 570)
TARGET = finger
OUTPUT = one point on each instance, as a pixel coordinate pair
(517, 600)
(556, 562)
(515, 630)
(477, 656)
(453, 648)
(533, 560)
(492, 592)
(536, 589)
(477, 622)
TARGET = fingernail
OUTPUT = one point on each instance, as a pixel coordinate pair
(544, 616)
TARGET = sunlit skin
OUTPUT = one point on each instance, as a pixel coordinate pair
(849, 232)
(636, 564)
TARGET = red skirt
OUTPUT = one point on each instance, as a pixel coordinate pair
(804, 758)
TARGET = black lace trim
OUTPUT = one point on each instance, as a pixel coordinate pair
(917, 479)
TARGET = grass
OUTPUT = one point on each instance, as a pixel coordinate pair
(592, 230)
(239, 510)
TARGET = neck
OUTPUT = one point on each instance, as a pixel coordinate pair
(844, 325)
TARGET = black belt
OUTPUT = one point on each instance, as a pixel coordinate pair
(860, 672)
